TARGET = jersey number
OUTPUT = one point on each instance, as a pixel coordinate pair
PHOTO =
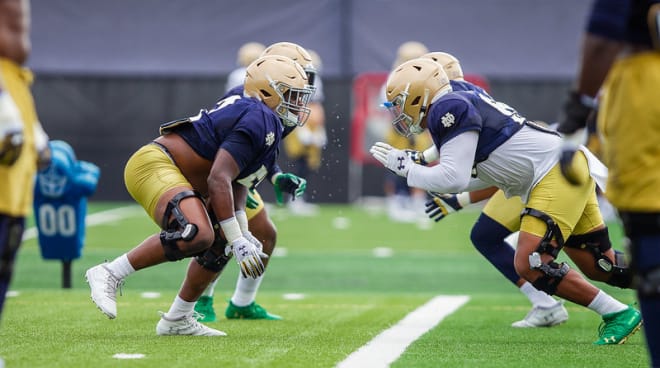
(220, 104)
(57, 221)
(503, 108)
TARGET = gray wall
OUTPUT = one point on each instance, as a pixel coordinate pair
(109, 72)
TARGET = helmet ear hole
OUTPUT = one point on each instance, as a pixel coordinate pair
(416, 101)
(265, 93)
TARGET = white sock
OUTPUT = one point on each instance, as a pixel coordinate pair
(537, 297)
(180, 308)
(605, 304)
(246, 290)
(121, 267)
(209, 289)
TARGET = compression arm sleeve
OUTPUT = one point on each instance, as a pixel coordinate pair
(452, 174)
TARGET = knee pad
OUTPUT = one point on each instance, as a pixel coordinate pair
(597, 243)
(552, 231)
(553, 273)
(177, 229)
(213, 262)
(649, 284)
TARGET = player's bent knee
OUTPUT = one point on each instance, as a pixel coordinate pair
(213, 259)
(180, 237)
(553, 273)
(614, 272)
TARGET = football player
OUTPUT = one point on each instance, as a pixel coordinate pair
(23, 143)
(242, 304)
(501, 217)
(621, 49)
(212, 158)
(484, 143)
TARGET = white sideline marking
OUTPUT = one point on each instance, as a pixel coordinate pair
(391, 343)
(98, 218)
(128, 356)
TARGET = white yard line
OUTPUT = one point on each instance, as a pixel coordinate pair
(388, 346)
(98, 218)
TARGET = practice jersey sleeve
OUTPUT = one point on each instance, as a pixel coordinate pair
(451, 116)
(452, 174)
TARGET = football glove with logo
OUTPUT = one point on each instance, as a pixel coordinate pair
(417, 157)
(248, 257)
(288, 183)
(395, 160)
(442, 205)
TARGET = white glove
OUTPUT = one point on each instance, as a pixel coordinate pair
(252, 239)
(394, 159)
(248, 258)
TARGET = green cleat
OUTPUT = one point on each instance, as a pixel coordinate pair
(251, 311)
(204, 309)
(617, 327)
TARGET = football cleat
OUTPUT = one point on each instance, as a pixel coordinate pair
(544, 316)
(186, 325)
(250, 311)
(204, 309)
(617, 327)
(104, 285)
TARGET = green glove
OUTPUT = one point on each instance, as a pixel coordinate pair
(251, 202)
(288, 183)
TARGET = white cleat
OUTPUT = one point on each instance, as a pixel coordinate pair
(544, 316)
(186, 325)
(104, 285)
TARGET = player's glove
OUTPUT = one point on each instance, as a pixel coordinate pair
(417, 157)
(288, 183)
(251, 202)
(252, 239)
(442, 205)
(574, 113)
(247, 256)
(395, 160)
(567, 165)
(10, 147)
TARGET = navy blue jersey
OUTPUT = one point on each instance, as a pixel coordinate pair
(621, 20)
(243, 126)
(457, 85)
(238, 91)
(462, 111)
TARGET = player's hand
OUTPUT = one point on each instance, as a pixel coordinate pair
(574, 114)
(248, 258)
(417, 157)
(567, 165)
(252, 239)
(10, 147)
(395, 160)
(251, 202)
(442, 205)
(288, 183)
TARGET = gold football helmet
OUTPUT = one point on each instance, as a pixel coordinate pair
(408, 51)
(449, 63)
(282, 85)
(410, 89)
(296, 52)
(249, 52)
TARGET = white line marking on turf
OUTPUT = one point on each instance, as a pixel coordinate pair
(391, 343)
(150, 295)
(293, 296)
(98, 218)
(128, 356)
